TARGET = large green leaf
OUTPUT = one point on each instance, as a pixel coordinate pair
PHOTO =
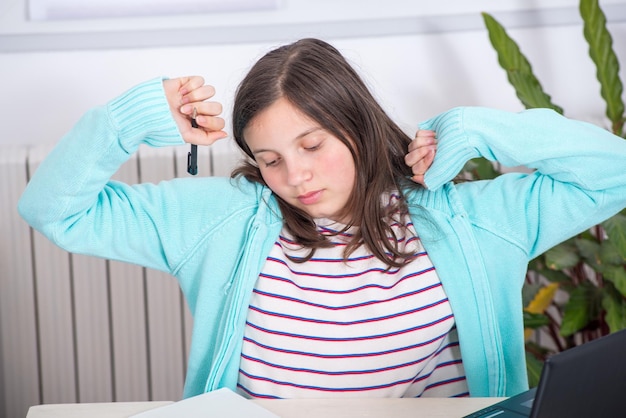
(589, 249)
(615, 307)
(617, 276)
(580, 309)
(562, 256)
(616, 230)
(518, 69)
(529, 91)
(609, 255)
(607, 65)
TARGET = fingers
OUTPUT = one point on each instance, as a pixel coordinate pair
(209, 130)
(421, 154)
(207, 114)
(196, 94)
(210, 125)
(187, 86)
(423, 137)
(188, 93)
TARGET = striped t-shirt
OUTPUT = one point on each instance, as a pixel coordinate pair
(328, 328)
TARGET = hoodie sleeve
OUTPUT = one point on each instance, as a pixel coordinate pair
(70, 198)
(578, 176)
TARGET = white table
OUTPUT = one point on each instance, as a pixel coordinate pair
(291, 408)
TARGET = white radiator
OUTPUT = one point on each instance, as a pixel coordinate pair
(81, 329)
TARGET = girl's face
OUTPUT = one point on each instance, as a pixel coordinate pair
(302, 163)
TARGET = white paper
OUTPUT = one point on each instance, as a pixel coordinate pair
(222, 403)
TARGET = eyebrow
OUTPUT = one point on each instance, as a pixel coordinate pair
(302, 135)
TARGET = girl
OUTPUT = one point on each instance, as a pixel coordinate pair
(340, 259)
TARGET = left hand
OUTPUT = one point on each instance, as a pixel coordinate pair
(421, 154)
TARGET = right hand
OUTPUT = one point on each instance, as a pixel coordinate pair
(185, 93)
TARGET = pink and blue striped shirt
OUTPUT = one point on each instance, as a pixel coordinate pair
(331, 327)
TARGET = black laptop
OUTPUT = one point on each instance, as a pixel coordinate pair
(585, 381)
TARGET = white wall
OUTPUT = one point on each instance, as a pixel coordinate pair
(415, 75)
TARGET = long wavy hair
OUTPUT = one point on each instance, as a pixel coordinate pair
(315, 78)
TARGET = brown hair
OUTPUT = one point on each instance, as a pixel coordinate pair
(315, 78)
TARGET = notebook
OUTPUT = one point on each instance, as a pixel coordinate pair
(585, 381)
(220, 403)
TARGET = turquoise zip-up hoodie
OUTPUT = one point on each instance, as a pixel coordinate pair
(214, 234)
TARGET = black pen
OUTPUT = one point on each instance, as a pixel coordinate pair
(192, 156)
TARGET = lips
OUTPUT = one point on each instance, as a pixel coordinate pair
(310, 198)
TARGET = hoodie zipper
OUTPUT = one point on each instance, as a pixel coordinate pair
(240, 280)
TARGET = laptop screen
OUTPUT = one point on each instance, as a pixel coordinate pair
(584, 381)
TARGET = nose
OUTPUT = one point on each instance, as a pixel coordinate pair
(298, 171)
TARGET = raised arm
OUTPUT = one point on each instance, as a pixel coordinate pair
(579, 178)
(70, 198)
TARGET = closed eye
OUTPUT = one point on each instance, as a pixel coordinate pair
(271, 163)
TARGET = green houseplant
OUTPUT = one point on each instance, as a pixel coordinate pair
(576, 291)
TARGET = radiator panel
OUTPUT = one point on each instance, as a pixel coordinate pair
(75, 328)
(19, 361)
